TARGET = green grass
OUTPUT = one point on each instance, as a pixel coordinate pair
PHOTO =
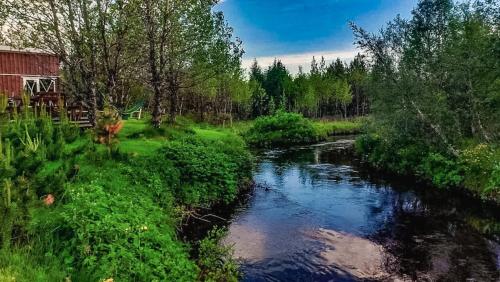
(324, 127)
(338, 127)
(133, 127)
(241, 127)
(138, 138)
(141, 147)
(20, 266)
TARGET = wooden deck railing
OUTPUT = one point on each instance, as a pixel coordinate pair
(53, 103)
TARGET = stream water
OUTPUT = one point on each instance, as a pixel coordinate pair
(318, 215)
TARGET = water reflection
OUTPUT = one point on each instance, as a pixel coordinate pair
(326, 218)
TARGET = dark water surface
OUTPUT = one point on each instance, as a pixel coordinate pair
(318, 215)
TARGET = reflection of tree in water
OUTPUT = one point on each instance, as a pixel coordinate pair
(282, 161)
(429, 240)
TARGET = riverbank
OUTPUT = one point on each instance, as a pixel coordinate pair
(474, 167)
(97, 212)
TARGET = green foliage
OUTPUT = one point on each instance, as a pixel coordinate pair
(105, 234)
(334, 90)
(113, 217)
(433, 87)
(3, 102)
(481, 167)
(23, 266)
(216, 262)
(281, 129)
(107, 128)
(208, 172)
(444, 171)
(476, 168)
(27, 144)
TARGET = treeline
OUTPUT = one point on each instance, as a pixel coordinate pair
(331, 90)
(435, 93)
(178, 56)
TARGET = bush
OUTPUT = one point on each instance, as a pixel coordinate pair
(482, 169)
(125, 236)
(208, 174)
(281, 129)
(28, 146)
(216, 262)
(443, 171)
(477, 168)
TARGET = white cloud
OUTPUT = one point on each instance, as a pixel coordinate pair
(293, 61)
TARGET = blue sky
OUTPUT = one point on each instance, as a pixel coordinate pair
(295, 30)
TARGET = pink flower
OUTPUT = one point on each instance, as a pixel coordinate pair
(49, 200)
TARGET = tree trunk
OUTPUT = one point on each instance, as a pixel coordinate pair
(92, 103)
(436, 128)
(173, 102)
(156, 118)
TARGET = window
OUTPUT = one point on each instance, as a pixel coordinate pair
(33, 85)
(47, 85)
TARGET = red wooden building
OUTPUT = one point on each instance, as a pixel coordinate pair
(30, 70)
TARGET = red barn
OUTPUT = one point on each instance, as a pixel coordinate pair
(30, 70)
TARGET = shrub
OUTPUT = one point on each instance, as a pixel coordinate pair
(481, 164)
(215, 260)
(108, 126)
(125, 236)
(27, 145)
(477, 167)
(443, 171)
(281, 129)
(207, 174)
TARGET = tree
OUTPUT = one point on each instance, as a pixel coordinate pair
(88, 36)
(188, 44)
(343, 94)
(358, 79)
(259, 98)
(256, 73)
(433, 76)
(277, 84)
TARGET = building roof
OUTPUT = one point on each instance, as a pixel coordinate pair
(5, 48)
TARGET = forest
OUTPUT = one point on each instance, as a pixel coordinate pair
(113, 202)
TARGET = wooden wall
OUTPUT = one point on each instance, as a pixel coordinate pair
(15, 64)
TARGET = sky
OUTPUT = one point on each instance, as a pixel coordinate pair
(296, 30)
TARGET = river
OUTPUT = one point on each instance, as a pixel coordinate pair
(318, 214)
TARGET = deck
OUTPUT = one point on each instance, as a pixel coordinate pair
(53, 103)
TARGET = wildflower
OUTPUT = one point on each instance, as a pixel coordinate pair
(49, 200)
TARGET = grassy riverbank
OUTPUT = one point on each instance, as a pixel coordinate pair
(80, 210)
(475, 167)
